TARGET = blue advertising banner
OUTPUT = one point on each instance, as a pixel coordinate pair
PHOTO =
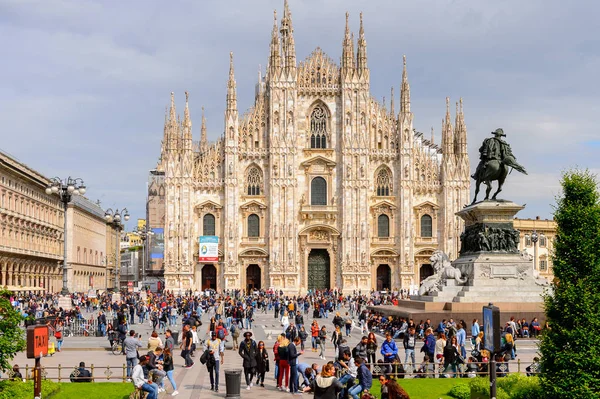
(157, 249)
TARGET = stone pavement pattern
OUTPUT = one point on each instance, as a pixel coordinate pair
(195, 382)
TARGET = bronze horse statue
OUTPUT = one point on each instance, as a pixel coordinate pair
(494, 170)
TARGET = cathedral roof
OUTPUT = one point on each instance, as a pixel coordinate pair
(318, 72)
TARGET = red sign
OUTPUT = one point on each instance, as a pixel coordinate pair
(37, 341)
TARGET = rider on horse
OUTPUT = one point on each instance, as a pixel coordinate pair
(495, 149)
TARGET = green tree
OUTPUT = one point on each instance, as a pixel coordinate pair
(12, 338)
(571, 348)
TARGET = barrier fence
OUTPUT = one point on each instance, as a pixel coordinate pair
(119, 373)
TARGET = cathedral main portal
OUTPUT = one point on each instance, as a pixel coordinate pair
(318, 269)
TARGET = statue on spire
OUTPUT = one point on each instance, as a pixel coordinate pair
(496, 159)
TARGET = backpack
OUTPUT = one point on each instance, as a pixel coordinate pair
(221, 333)
(282, 351)
(355, 352)
(235, 331)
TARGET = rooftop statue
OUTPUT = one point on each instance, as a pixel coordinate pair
(496, 159)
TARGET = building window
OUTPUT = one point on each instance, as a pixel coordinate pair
(543, 265)
(542, 240)
(253, 226)
(383, 226)
(527, 240)
(254, 181)
(318, 191)
(318, 127)
(78, 255)
(208, 225)
(383, 182)
(426, 226)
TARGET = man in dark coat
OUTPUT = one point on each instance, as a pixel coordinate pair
(248, 351)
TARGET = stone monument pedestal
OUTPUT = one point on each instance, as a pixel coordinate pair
(491, 270)
(64, 301)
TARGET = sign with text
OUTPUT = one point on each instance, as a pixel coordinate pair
(37, 341)
(491, 328)
(209, 249)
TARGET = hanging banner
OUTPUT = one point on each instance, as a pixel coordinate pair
(209, 249)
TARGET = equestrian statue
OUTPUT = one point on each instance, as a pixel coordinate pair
(496, 161)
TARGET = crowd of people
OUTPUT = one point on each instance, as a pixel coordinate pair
(326, 319)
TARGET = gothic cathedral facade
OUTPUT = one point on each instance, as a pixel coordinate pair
(317, 186)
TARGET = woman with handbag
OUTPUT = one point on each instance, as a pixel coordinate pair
(336, 337)
(262, 363)
(58, 334)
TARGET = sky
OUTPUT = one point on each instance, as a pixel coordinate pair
(84, 84)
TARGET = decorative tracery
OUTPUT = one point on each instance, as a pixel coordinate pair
(318, 127)
(254, 181)
(383, 182)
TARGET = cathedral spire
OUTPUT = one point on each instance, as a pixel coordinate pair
(187, 122)
(404, 89)
(460, 131)
(203, 139)
(447, 134)
(287, 35)
(347, 48)
(392, 106)
(275, 59)
(231, 88)
(361, 54)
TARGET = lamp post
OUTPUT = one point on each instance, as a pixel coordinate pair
(144, 233)
(113, 218)
(65, 189)
(534, 239)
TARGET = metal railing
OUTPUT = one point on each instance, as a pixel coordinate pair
(65, 374)
(437, 370)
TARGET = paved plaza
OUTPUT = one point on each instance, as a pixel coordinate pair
(195, 382)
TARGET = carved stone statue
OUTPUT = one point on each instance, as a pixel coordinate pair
(443, 271)
(496, 159)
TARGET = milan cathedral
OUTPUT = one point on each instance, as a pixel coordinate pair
(317, 186)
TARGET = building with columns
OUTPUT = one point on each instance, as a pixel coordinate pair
(31, 230)
(86, 245)
(542, 249)
(318, 185)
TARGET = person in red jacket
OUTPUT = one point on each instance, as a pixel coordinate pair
(314, 331)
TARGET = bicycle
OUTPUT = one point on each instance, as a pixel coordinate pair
(117, 347)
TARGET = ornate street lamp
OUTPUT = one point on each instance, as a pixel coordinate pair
(65, 189)
(534, 238)
(113, 218)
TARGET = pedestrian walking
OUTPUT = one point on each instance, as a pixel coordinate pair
(169, 369)
(322, 340)
(130, 346)
(186, 346)
(262, 363)
(216, 357)
(248, 351)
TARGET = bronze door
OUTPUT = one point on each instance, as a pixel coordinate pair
(384, 274)
(209, 277)
(318, 269)
(253, 278)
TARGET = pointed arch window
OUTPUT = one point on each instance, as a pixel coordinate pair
(318, 191)
(383, 226)
(426, 226)
(383, 182)
(208, 224)
(318, 127)
(253, 226)
(254, 181)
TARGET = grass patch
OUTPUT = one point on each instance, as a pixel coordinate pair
(96, 390)
(423, 388)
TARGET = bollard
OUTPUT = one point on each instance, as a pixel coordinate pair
(92, 371)
(59, 369)
(124, 372)
(519, 365)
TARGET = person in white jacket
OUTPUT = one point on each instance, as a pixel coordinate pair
(137, 375)
(285, 321)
